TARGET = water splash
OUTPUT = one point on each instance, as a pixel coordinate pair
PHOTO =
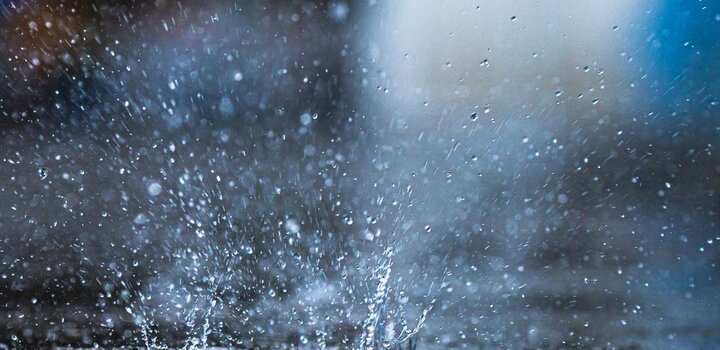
(379, 325)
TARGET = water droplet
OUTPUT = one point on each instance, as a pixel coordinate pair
(292, 226)
(562, 198)
(154, 189)
(43, 173)
(141, 219)
(339, 11)
(305, 119)
(226, 106)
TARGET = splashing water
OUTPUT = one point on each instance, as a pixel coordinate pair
(381, 314)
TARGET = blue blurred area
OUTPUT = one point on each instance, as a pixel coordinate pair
(683, 45)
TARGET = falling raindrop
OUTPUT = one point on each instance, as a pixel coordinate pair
(43, 173)
(154, 189)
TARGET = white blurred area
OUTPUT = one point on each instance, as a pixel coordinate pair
(507, 57)
(462, 88)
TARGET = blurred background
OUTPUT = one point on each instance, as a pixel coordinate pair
(355, 174)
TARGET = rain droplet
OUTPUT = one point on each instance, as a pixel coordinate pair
(305, 119)
(339, 11)
(154, 189)
(562, 198)
(226, 106)
(43, 173)
(141, 219)
(292, 226)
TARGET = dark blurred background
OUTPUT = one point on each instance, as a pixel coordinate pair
(476, 174)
